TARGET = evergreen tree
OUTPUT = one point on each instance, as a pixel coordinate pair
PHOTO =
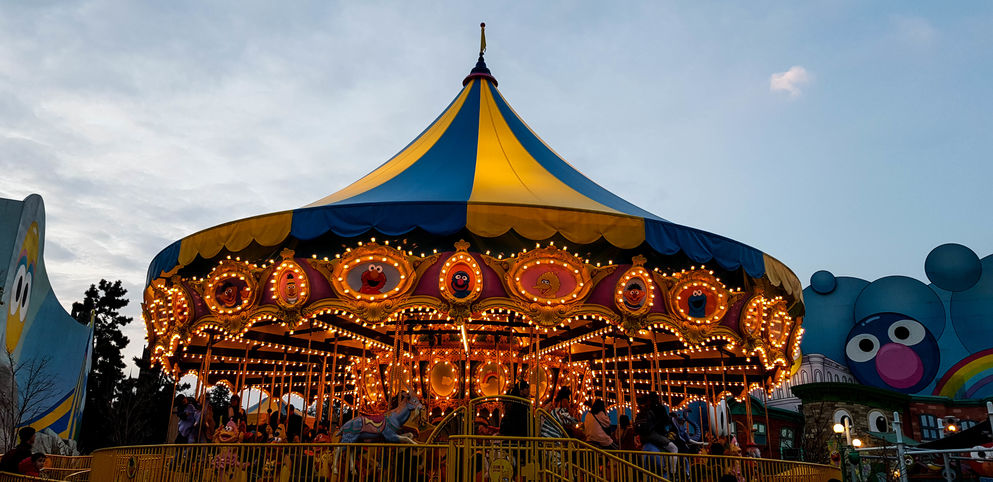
(105, 301)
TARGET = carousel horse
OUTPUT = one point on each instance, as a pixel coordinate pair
(373, 428)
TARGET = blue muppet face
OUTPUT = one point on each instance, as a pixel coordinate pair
(892, 350)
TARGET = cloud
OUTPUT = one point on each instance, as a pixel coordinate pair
(914, 31)
(790, 81)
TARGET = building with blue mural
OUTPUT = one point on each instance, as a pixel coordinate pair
(41, 342)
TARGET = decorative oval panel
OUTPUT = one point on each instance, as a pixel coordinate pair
(492, 379)
(444, 379)
(230, 288)
(461, 279)
(550, 276)
(289, 285)
(752, 316)
(540, 385)
(699, 297)
(372, 272)
(778, 322)
(635, 292)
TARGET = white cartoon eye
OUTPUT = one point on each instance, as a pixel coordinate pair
(697, 292)
(981, 454)
(907, 332)
(862, 348)
(372, 267)
(20, 295)
(878, 422)
(379, 269)
(26, 296)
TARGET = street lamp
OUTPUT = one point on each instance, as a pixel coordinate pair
(856, 442)
(842, 450)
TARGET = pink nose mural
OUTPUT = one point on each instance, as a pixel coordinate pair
(899, 366)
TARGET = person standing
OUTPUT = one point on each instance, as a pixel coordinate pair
(11, 460)
(595, 425)
(561, 411)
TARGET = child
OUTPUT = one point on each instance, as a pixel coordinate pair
(625, 433)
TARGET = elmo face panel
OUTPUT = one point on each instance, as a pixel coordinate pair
(890, 350)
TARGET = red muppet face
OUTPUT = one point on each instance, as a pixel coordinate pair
(373, 280)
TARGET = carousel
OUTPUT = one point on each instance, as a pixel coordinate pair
(474, 258)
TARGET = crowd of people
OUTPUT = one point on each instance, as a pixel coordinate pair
(22, 459)
(196, 424)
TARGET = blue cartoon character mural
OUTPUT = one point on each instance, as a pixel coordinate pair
(30, 317)
(893, 351)
(900, 334)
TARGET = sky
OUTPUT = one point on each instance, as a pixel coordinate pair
(847, 136)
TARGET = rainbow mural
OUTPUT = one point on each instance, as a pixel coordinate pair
(35, 327)
(900, 334)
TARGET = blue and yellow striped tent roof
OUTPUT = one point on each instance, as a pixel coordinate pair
(477, 167)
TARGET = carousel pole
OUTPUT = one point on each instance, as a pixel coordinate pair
(172, 403)
(361, 388)
(668, 389)
(206, 372)
(289, 403)
(334, 377)
(724, 389)
(657, 363)
(768, 435)
(617, 380)
(282, 380)
(603, 367)
(244, 368)
(310, 366)
(321, 380)
(748, 411)
(634, 395)
(272, 391)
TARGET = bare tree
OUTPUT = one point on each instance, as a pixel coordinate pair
(816, 432)
(27, 400)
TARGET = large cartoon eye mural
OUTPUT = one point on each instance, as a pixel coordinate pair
(289, 285)
(635, 292)
(700, 297)
(372, 272)
(230, 288)
(892, 351)
(492, 379)
(460, 279)
(19, 299)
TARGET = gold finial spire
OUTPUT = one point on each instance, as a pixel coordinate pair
(482, 38)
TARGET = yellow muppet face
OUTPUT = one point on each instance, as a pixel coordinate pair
(19, 291)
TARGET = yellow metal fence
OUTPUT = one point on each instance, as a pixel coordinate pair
(686, 467)
(463, 458)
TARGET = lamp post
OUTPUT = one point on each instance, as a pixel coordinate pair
(838, 430)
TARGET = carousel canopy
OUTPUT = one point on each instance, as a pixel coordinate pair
(479, 168)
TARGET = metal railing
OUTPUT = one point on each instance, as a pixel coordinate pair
(463, 458)
(475, 457)
(271, 462)
(687, 467)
